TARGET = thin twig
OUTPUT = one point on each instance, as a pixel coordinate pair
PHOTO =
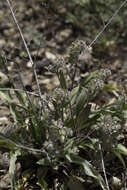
(28, 53)
(103, 167)
(109, 21)
(105, 26)
(18, 90)
(22, 146)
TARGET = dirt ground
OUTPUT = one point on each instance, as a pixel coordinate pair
(48, 37)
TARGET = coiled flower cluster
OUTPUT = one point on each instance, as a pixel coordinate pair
(109, 129)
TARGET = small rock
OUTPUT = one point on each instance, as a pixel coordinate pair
(5, 181)
(4, 161)
(3, 78)
(116, 183)
(3, 120)
(29, 64)
(50, 56)
(2, 43)
(63, 35)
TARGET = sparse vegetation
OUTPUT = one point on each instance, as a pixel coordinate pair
(68, 138)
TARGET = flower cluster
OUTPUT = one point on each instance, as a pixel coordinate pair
(94, 86)
(58, 64)
(109, 129)
(75, 50)
(110, 125)
(105, 73)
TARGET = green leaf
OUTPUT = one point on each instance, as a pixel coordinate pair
(78, 160)
(44, 162)
(6, 144)
(13, 158)
(37, 130)
(15, 113)
(81, 100)
(118, 151)
(88, 168)
(120, 157)
(83, 115)
(89, 78)
(74, 94)
(62, 80)
(122, 149)
(68, 146)
(91, 143)
(6, 97)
